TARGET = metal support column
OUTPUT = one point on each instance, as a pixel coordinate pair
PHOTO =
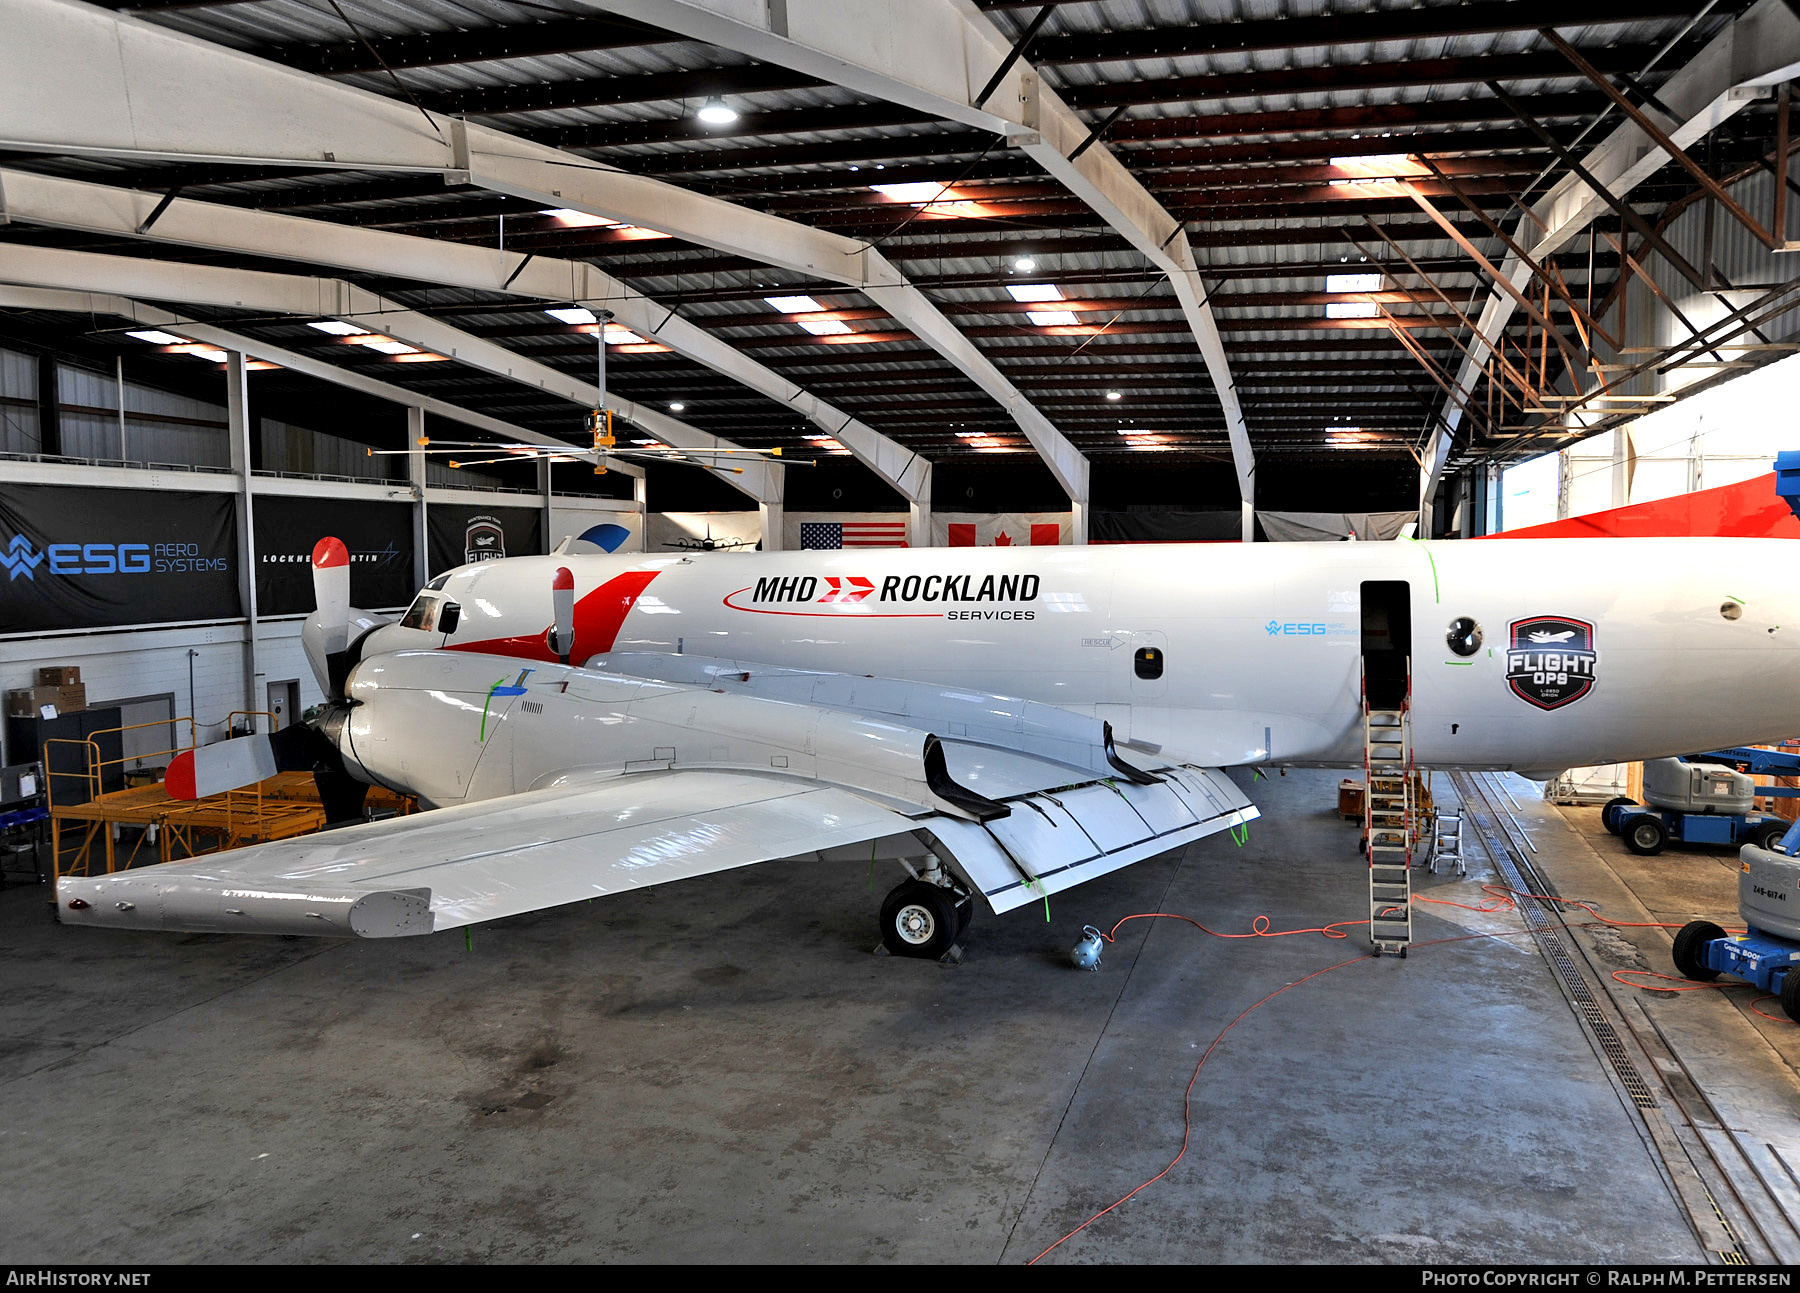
(49, 419)
(772, 526)
(918, 522)
(551, 538)
(415, 475)
(119, 386)
(238, 422)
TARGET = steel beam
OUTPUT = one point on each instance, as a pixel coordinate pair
(155, 316)
(1758, 50)
(151, 92)
(336, 299)
(945, 58)
(96, 208)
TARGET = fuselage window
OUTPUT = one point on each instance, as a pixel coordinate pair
(1464, 636)
(1148, 662)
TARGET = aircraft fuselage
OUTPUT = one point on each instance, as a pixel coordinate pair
(1590, 651)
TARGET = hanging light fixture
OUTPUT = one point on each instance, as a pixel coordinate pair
(716, 112)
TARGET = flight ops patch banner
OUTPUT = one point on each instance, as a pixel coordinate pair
(378, 536)
(461, 536)
(81, 558)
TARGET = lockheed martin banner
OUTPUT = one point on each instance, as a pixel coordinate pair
(378, 535)
(79, 558)
(462, 535)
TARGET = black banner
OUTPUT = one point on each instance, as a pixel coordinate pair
(461, 535)
(1164, 527)
(378, 535)
(80, 558)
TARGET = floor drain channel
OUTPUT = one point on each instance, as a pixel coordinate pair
(1543, 926)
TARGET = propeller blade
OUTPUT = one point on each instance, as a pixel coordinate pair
(326, 634)
(562, 597)
(239, 762)
(331, 592)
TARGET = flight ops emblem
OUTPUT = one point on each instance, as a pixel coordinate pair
(1550, 660)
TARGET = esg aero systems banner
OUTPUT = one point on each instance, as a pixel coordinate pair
(461, 536)
(378, 535)
(79, 558)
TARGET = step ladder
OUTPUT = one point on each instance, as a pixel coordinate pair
(1446, 844)
(1388, 811)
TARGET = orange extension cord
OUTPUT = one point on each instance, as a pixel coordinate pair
(1505, 899)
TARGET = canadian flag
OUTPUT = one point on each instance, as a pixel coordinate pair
(1001, 530)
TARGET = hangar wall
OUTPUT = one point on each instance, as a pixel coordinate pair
(203, 665)
(1719, 436)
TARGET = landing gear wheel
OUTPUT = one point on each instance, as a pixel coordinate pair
(1767, 837)
(919, 920)
(1607, 819)
(1646, 836)
(1690, 942)
(1790, 995)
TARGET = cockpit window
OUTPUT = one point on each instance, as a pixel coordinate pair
(437, 584)
(422, 614)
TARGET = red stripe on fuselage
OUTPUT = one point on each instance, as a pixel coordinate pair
(852, 612)
(598, 618)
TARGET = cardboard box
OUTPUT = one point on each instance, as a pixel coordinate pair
(70, 698)
(59, 675)
(26, 702)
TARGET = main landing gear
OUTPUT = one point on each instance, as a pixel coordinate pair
(924, 916)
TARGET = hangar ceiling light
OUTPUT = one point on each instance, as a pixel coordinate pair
(716, 112)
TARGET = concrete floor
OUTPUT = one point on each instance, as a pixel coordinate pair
(720, 1071)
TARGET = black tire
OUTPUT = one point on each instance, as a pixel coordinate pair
(1607, 817)
(1790, 994)
(1646, 836)
(919, 920)
(1690, 940)
(1767, 837)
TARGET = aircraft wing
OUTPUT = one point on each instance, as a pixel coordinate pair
(1025, 800)
(475, 862)
(501, 857)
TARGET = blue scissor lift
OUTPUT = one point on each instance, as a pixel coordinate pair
(1768, 877)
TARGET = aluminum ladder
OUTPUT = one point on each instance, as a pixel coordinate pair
(1388, 811)
(1446, 843)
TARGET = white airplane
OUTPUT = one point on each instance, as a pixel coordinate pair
(1007, 723)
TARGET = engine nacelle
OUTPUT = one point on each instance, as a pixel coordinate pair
(452, 727)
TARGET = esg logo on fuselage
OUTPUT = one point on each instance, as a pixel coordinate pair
(1303, 629)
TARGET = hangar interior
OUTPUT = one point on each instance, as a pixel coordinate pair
(462, 279)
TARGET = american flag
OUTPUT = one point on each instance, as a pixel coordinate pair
(853, 534)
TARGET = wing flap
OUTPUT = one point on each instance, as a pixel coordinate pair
(1053, 842)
